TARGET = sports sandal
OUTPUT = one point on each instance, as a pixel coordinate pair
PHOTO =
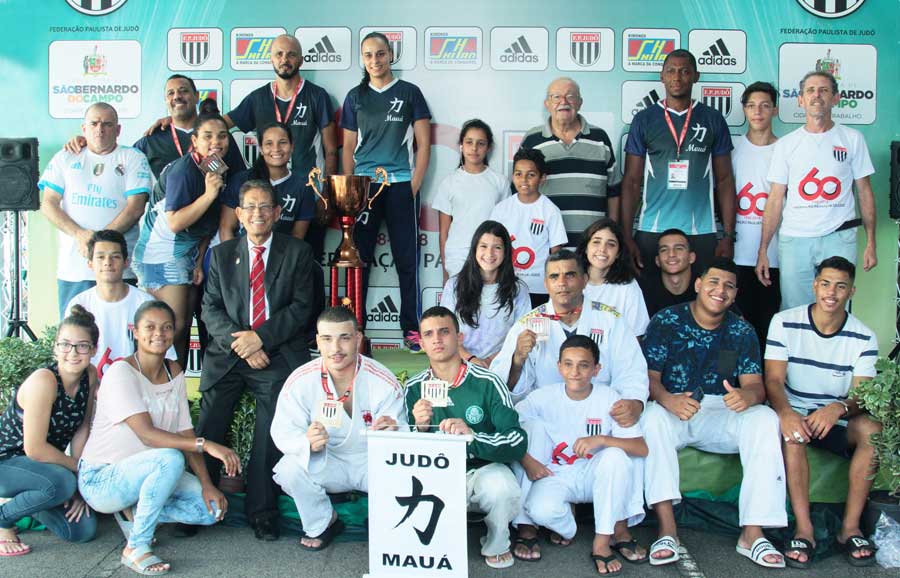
(799, 546)
(606, 560)
(25, 548)
(631, 545)
(664, 543)
(529, 543)
(856, 544)
(133, 562)
(757, 552)
(126, 525)
(500, 563)
(325, 537)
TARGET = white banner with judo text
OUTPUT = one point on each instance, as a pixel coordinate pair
(417, 505)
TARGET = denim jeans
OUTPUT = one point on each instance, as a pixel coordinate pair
(155, 482)
(797, 260)
(40, 490)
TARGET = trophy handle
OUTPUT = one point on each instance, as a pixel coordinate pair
(316, 175)
(379, 172)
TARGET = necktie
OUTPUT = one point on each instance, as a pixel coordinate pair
(257, 289)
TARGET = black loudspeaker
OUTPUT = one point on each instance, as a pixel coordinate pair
(895, 180)
(19, 174)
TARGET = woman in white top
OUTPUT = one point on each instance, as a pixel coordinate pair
(141, 437)
(611, 275)
(486, 295)
(466, 197)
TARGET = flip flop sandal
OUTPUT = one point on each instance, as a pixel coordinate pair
(499, 563)
(629, 545)
(757, 552)
(325, 537)
(142, 566)
(800, 546)
(664, 543)
(529, 543)
(856, 544)
(606, 560)
(22, 552)
(557, 544)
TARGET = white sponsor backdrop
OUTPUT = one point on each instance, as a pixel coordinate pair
(85, 72)
(417, 505)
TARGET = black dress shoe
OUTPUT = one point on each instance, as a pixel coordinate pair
(267, 530)
(185, 530)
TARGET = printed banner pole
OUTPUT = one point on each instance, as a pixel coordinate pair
(417, 505)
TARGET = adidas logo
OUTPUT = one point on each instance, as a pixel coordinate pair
(649, 100)
(322, 51)
(519, 51)
(717, 55)
(384, 312)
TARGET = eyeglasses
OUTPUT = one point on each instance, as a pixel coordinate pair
(556, 98)
(767, 106)
(264, 209)
(80, 347)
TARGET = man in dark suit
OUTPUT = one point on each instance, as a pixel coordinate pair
(256, 306)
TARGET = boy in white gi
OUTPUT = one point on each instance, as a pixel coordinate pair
(322, 411)
(815, 355)
(470, 400)
(590, 461)
(696, 349)
(529, 356)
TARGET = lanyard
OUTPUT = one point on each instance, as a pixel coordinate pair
(557, 317)
(687, 120)
(347, 393)
(175, 140)
(290, 104)
(459, 375)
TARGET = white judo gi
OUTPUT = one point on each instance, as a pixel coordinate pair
(753, 433)
(623, 366)
(607, 479)
(342, 465)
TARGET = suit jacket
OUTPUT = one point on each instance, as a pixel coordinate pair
(226, 308)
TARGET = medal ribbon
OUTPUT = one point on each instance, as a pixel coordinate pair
(347, 393)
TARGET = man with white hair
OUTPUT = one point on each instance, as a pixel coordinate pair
(582, 179)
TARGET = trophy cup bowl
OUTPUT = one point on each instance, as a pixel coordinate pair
(345, 197)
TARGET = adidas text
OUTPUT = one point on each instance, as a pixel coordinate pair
(717, 60)
(520, 57)
(383, 317)
(322, 57)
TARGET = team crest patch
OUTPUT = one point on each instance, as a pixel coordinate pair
(597, 306)
(98, 169)
(367, 417)
(537, 226)
(474, 414)
(593, 426)
(120, 170)
(840, 154)
(597, 336)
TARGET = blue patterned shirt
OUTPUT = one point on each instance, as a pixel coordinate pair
(688, 355)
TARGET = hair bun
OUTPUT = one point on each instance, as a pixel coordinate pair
(209, 106)
(82, 314)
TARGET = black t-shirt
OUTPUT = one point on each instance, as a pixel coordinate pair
(160, 150)
(657, 297)
(312, 112)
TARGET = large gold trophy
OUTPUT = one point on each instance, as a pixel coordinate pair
(345, 197)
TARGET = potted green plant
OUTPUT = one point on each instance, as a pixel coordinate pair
(881, 398)
(19, 358)
(240, 439)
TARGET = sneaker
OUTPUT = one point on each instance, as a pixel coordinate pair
(411, 342)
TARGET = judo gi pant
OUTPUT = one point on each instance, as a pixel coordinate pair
(630, 501)
(341, 473)
(753, 433)
(492, 489)
(602, 480)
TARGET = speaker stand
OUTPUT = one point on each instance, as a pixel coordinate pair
(17, 325)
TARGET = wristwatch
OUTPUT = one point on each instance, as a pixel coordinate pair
(729, 235)
(198, 444)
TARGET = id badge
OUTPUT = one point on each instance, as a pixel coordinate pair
(435, 391)
(678, 175)
(329, 413)
(540, 326)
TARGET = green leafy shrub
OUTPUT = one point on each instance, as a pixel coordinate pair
(19, 358)
(881, 398)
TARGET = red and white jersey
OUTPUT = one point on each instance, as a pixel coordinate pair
(376, 393)
(751, 168)
(534, 228)
(565, 420)
(819, 170)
